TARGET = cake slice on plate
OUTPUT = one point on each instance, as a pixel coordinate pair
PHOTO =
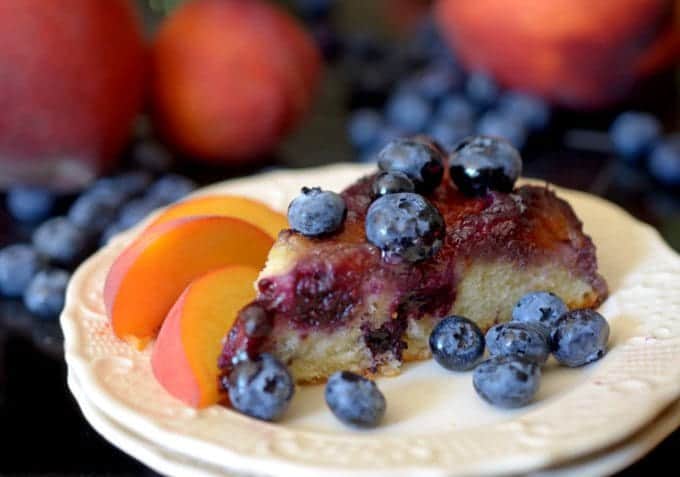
(361, 279)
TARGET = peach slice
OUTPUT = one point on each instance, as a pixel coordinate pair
(251, 211)
(184, 358)
(146, 279)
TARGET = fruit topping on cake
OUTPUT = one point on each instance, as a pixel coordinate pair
(362, 278)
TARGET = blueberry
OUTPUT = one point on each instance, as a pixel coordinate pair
(539, 308)
(45, 295)
(421, 160)
(92, 212)
(107, 190)
(449, 133)
(391, 183)
(437, 81)
(364, 127)
(30, 203)
(664, 162)
(261, 387)
(507, 381)
(170, 188)
(457, 343)
(135, 211)
(60, 240)
(497, 124)
(580, 337)
(18, 265)
(109, 232)
(523, 340)
(456, 108)
(405, 226)
(152, 156)
(481, 89)
(532, 111)
(133, 183)
(634, 133)
(355, 400)
(316, 212)
(482, 163)
(408, 111)
(256, 322)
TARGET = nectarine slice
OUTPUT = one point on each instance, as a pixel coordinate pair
(249, 210)
(146, 279)
(184, 358)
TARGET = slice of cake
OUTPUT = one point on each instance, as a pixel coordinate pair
(362, 281)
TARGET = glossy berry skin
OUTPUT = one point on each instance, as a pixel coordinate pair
(171, 188)
(580, 337)
(92, 213)
(261, 387)
(497, 124)
(634, 133)
(539, 308)
(457, 343)
(391, 183)
(45, 295)
(522, 340)
(531, 111)
(507, 381)
(355, 400)
(60, 240)
(420, 159)
(19, 263)
(481, 163)
(664, 161)
(481, 89)
(30, 203)
(317, 212)
(405, 227)
(364, 128)
(408, 111)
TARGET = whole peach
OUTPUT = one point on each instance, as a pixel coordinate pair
(231, 78)
(578, 53)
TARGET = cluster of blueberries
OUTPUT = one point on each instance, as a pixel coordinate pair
(38, 272)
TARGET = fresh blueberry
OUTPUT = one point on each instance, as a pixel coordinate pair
(530, 110)
(421, 160)
(580, 337)
(18, 265)
(45, 295)
(507, 381)
(92, 212)
(523, 340)
(456, 108)
(107, 190)
(405, 226)
(316, 212)
(449, 133)
(364, 127)
(457, 343)
(136, 210)
(664, 162)
(133, 183)
(261, 387)
(170, 188)
(391, 183)
(497, 124)
(60, 240)
(634, 133)
(482, 163)
(30, 203)
(408, 111)
(481, 89)
(355, 400)
(437, 81)
(539, 308)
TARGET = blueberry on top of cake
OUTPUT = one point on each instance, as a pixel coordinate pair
(361, 278)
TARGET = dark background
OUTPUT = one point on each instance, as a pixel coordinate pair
(43, 431)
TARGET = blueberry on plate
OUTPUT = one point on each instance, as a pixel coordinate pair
(405, 226)
(457, 343)
(482, 89)
(481, 163)
(171, 188)
(355, 400)
(580, 337)
(261, 387)
(497, 124)
(523, 340)
(507, 381)
(92, 212)
(45, 295)
(664, 161)
(539, 308)
(456, 108)
(633, 134)
(60, 240)
(408, 111)
(420, 159)
(316, 212)
(19, 263)
(532, 111)
(364, 128)
(30, 203)
(391, 183)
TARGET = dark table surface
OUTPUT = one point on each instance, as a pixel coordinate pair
(42, 429)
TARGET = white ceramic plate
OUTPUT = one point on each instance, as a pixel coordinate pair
(435, 424)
